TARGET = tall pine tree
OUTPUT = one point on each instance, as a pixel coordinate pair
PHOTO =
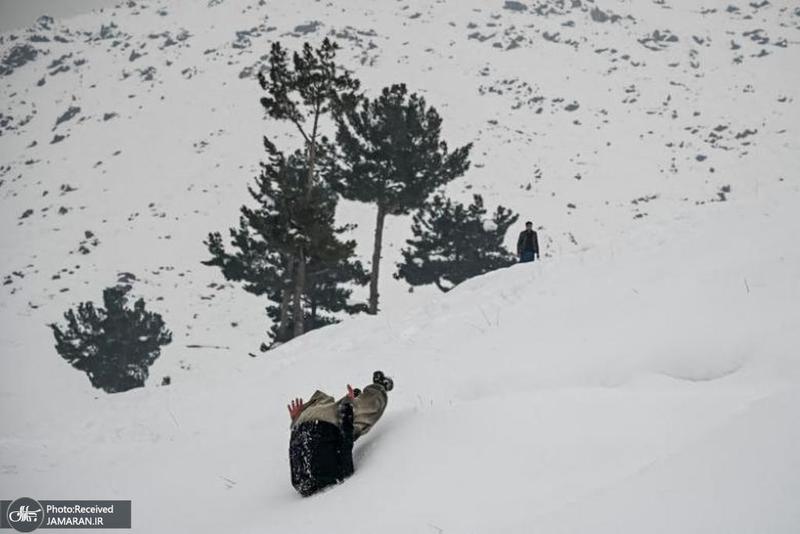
(392, 155)
(290, 217)
(453, 242)
(313, 86)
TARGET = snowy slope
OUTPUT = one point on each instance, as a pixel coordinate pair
(646, 390)
(643, 377)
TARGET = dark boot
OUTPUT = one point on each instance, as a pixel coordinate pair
(382, 380)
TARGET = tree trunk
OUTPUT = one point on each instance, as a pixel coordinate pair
(312, 162)
(299, 286)
(312, 153)
(300, 278)
(283, 326)
(286, 299)
(376, 261)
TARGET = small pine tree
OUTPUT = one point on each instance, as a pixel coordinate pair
(453, 242)
(392, 155)
(289, 218)
(114, 346)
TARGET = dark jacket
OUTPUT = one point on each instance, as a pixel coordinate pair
(321, 453)
(528, 242)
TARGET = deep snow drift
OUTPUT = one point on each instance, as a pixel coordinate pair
(650, 385)
(643, 377)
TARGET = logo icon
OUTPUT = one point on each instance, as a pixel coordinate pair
(25, 514)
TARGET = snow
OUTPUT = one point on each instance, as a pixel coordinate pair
(20, 14)
(642, 377)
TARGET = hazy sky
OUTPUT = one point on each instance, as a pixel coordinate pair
(21, 13)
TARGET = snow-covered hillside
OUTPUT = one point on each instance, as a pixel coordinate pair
(643, 377)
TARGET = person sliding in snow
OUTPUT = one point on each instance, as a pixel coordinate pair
(527, 244)
(323, 431)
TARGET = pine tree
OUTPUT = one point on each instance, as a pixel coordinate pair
(290, 217)
(116, 345)
(453, 242)
(391, 155)
(312, 87)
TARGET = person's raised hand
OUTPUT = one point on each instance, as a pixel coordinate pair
(351, 394)
(295, 407)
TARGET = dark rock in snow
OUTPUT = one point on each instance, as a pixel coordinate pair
(311, 27)
(746, 133)
(658, 40)
(148, 73)
(67, 115)
(598, 15)
(45, 22)
(19, 55)
(479, 36)
(109, 31)
(246, 72)
(515, 6)
(59, 63)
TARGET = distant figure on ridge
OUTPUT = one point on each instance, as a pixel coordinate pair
(323, 431)
(527, 244)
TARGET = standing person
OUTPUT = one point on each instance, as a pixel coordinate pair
(528, 244)
(323, 431)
